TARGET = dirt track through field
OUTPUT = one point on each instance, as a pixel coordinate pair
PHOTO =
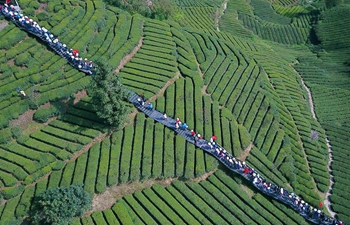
(330, 155)
(129, 56)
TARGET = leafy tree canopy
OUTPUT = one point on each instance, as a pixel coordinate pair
(155, 9)
(333, 3)
(108, 96)
(58, 206)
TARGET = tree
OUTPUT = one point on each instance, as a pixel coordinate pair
(108, 95)
(58, 206)
(333, 3)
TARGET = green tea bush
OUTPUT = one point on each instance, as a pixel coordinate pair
(4, 122)
(16, 132)
(43, 16)
(5, 135)
(29, 12)
(22, 59)
(11, 192)
(42, 115)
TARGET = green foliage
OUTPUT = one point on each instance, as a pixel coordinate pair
(60, 205)
(43, 114)
(11, 192)
(16, 132)
(335, 21)
(5, 135)
(22, 59)
(108, 96)
(4, 122)
(29, 12)
(155, 9)
(333, 3)
(43, 16)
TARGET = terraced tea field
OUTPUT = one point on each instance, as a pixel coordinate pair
(241, 82)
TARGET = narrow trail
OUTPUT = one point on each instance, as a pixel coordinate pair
(330, 155)
(163, 89)
(246, 152)
(129, 56)
(218, 13)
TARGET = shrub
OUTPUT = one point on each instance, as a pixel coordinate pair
(34, 4)
(5, 136)
(11, 192)
(16, 132)
(43, 16)
(29, 12)
(22, 59)
(43, 114)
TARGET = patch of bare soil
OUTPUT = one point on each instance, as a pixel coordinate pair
(331, 183)
(107, 199)
(3, 24)
(11, 62)
(216, 20)
(203, 177)
(246, 152)
(42, 8)
(218, 13)
(129, 56)
(204, 88)
(23, 120)
(79, 95)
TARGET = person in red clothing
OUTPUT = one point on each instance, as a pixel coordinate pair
(246, 170)
(75, 52)
(177, 120)
(193, 133)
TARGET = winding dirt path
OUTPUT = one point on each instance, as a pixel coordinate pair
(330, 155)
(163, 89)
(218, 13)
(129, 56)
(246, 152)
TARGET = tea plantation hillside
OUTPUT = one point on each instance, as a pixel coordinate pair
(232, 68)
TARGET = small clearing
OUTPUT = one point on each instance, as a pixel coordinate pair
(3, 24)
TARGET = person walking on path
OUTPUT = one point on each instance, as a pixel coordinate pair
(184, 126)
(213, 138)
(193, 134)
(165, 116)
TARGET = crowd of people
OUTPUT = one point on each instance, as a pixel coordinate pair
(309, 212)
(27, 24)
